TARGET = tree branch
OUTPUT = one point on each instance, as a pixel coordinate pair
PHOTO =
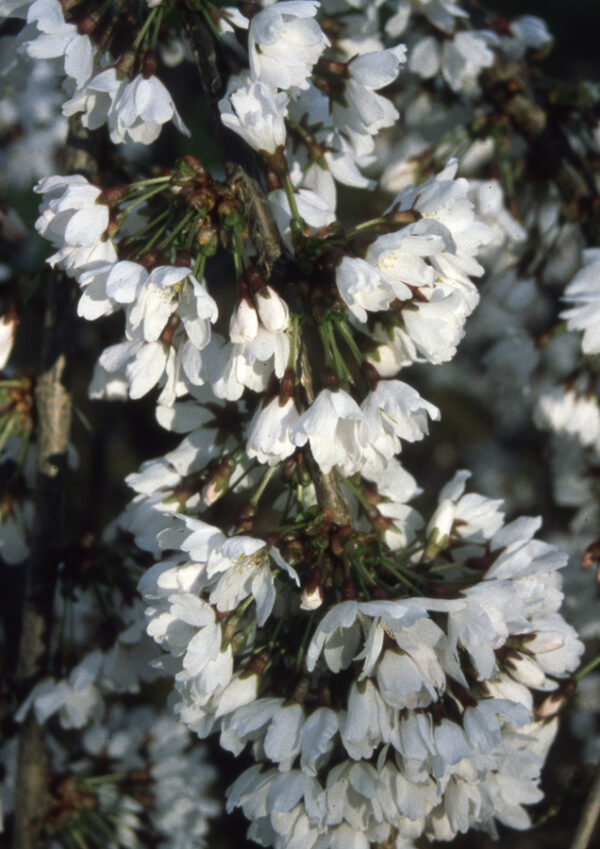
(589, 816)
(53, 407)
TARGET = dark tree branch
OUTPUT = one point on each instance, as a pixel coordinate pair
(589, 817)
(53, 407)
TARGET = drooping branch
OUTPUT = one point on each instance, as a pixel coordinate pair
(244, 174)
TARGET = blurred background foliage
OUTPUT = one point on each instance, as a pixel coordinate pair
(575, 25)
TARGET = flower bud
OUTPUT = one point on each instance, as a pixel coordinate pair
(218, 481)
(273, 310)
(339, 538)
(544, 641)
(551, 705)
(126, 63)
(194, 164)
(311, 599)
(591, 555)
(243, 326)
(525, 670)
(202, 199)
(312, 594)
(8, 325)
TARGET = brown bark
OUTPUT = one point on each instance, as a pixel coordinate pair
(589, 817)
(53, 408)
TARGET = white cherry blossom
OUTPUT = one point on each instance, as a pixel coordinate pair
(257, 115)
(334, 425)
(284, 42)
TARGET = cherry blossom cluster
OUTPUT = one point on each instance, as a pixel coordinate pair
(422, 714)
(395, 667)
(106, 84)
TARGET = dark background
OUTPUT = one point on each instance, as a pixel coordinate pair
(575, 25)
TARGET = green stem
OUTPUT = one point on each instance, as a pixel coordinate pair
(443, 567)
(291, 197)
(359, 495)
(329, 361)
(585, 670)
(152, 223)
(366, 225)
(340, 366)
(10, 426)
(288, 504)
(145, 27)
(139, 200)
(263, 485)
(400, 573)
(78, 838)
(157, 26)
(304, 641)
(361, 580)
(293, 358)
(151, 181)
(176, 230)
(249, 627)
(300, 130)
(277, 629)
(342, 370)
(149, 243)
(344, 331)
(199, 266)
(355, 564)
(240, 248)
(402, 578)
(211, 24)
(244, 474)
(13, 384)
(310, 142)
(100, 825)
